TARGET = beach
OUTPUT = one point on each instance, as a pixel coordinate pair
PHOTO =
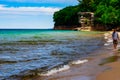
(113, 73)
(59, 40)
(104, 65)
(44, 52)
(85, 71)
(58, 56)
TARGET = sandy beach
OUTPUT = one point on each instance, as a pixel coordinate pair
(47, 52)
(85, 71)
(113, 73)
(100, 66)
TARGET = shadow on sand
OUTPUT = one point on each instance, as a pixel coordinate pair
(110, 59)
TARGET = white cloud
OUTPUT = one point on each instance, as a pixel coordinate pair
(2, 6)
(28, 10)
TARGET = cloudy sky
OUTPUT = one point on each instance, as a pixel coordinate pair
(30, 13)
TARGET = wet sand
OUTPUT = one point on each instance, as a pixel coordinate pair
(114, 72)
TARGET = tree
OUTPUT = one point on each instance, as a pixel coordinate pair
(67, 16)
(107, 12)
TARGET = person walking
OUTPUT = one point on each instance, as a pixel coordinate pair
(115, 38)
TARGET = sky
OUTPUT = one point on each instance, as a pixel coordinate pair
(30, 14)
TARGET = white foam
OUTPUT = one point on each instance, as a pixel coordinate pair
(65, 67)
(106, 34)
(109, 40)
(106, 44)
(55, 70)
(105, 37)
(79, 61)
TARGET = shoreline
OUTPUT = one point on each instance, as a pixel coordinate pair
(87, 71)
(113, 73)
(49, 52)
(89, 68)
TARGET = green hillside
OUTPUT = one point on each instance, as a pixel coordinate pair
(107, 12)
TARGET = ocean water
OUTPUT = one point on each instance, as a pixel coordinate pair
(31, 51)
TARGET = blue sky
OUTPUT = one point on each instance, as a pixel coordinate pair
(30, 14)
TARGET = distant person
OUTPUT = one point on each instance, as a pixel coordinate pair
(115, 38)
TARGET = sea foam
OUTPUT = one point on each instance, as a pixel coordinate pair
(108, 38)
(63, 68)
(55, 70)
(79, 61)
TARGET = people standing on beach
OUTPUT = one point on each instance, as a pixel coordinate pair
(115, 38)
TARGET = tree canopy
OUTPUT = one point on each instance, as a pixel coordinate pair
(107, 12)
(67, 16)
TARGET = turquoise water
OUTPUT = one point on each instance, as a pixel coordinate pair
(36, 51)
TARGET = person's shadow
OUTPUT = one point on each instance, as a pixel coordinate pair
(110, 59)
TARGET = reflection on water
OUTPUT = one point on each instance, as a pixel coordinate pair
(35, 51)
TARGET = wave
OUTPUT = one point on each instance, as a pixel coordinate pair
(55, 70)
(79, 61)
(63, 68)
(108, 38)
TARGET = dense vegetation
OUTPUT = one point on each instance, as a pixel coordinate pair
(67, 16)
(107, 12)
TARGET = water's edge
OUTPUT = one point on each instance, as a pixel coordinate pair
(44, 52)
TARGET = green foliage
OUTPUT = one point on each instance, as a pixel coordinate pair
(67, 16)
(87, 5)
(107, 12)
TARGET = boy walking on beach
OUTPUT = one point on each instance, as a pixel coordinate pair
(115, 38)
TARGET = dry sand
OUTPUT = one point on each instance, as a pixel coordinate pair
(112, 74)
